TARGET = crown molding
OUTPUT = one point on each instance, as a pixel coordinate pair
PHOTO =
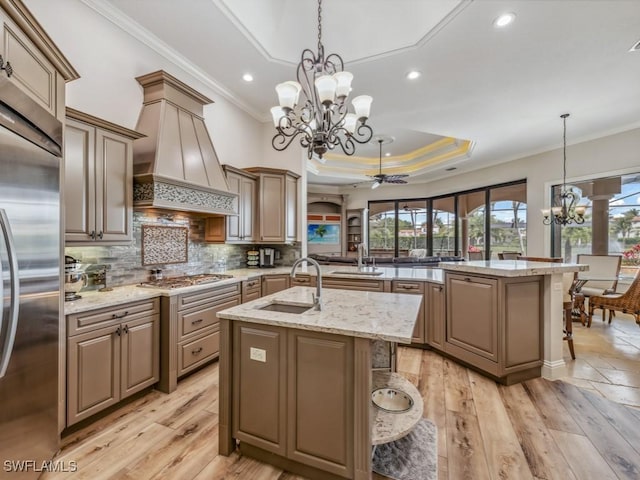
(144, 36)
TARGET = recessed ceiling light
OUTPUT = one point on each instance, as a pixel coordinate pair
(413, 74)
(387, 154)
(247, 77)
(504, 20)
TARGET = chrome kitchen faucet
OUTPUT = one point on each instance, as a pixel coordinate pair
(317, 302)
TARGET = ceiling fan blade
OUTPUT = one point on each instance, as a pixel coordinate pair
(397, 176)
(391, 179)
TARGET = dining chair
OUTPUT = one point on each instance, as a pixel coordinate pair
(567, 300)
(476, 255)
(509, 255)
(627, 302)
(603, 267)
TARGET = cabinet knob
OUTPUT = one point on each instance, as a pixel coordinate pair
(196, 351)
(100, 235)
(125, 329)
(93, 234)
(119, 331)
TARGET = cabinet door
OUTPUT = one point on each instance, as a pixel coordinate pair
(274, 283)
(320, 401)
(259, 386)
(140, 364)
(415, 288)
(79, 187)
(291, 209)
(248, 189)
(435, 315)
(32, 72)
(472, 315)
(234, 221)
(272, 208)
(214, 229)
(93, 373)
(114, 187)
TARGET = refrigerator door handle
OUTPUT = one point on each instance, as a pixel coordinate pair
(10, 335)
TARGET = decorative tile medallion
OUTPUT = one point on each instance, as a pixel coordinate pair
(162, 245)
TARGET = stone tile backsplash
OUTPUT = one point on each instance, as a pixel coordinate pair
(124, 262)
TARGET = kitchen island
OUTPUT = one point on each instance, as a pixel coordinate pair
(505, 317)
(295, 388)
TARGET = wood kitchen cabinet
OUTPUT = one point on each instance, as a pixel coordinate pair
(303, 280)
(112, 353)
(277, 205)
(292, 394)
(38, 68)
(241, 227)
(495, 324)
(274, 283)
(190, 332)
(98, 180)
(214, 229)
(415, 288)
(434, 315)
(251, 289)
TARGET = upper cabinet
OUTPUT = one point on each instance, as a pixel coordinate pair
(37, 67)
(277, 205)
(241, 228)
(98, 180)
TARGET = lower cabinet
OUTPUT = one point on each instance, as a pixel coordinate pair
(495, 324)
(251, 289)
(274, 283)
(111, 354)
(293, 394)
(302, 280)
(435, 315)
(416, 288)
(190, 331)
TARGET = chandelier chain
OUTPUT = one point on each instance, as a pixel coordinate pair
(319, 25)
(564, 152)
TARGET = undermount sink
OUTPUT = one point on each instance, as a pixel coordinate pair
(286, 308)
(368, 272)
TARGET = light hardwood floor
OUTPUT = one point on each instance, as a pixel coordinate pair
(534, 430)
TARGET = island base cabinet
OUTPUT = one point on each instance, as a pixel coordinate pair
(494, 324)
(293, 396)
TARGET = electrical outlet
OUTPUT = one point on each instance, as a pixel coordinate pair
(258, 354)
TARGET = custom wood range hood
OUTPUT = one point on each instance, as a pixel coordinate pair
(176, 167)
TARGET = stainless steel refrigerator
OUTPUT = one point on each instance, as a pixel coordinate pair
(30, 251)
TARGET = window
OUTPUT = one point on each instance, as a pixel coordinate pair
(451, 225)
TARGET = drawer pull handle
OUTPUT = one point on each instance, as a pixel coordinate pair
(196, 351)
(252, 284)
(195, 322)
(6, 67)
(120, 315)
(467, 279)
(440, 288)
(408, 287)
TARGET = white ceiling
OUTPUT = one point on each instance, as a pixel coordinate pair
(502, 89)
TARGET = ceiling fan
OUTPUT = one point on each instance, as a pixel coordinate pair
(380, 177)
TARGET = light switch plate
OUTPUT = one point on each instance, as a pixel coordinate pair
(258, 354)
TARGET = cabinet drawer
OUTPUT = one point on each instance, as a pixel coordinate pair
(402, 286)
(200, 317)
(92, 320)
(303, 281)
(197, 298)
(196, 352)
(251, 286)
(356, 284)
(249, 296)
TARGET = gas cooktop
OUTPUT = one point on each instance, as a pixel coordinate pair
(185, 281)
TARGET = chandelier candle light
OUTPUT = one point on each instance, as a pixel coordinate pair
(321, 116)
(565, 210)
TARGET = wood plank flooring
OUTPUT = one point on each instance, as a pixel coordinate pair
(534, 430)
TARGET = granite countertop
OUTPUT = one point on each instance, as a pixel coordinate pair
(375, 315)
(512, 268)
(92, 299)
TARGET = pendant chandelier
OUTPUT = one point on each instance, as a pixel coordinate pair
(315, 107)
(565, 209)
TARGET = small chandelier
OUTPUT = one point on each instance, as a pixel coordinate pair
(565, 210)
(321, 117)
